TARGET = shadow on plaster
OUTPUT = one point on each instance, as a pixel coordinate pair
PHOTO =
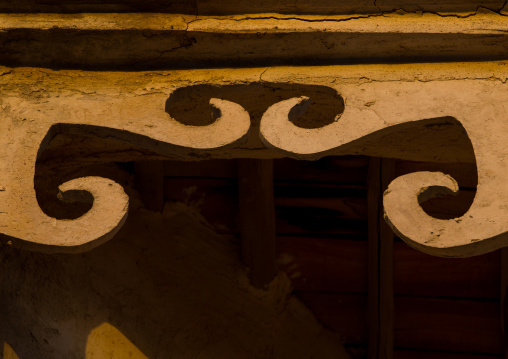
(166, 284)
(190, 105)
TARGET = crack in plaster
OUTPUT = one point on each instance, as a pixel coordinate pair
(262, 73)
(399, 11)
(294, 18)
(490, 78)
(503, 7)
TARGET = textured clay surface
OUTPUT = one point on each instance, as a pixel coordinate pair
(167, 286)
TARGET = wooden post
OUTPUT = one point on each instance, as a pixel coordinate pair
(380, 266)
(386, 297)
(257, 219)
(149, 177)
(373, 195)
(504, 298)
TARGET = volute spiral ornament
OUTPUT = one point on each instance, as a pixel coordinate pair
(23, 223)
(376, 109)
(376, 105)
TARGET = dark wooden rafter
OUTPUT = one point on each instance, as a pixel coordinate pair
(386, 300)
(149, 177)
(120, 38)
(257, 219)
(504, 298)
(373, 195)
(380, 263)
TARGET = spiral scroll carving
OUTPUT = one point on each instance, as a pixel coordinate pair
(482, 229)
(24, 224)
(368, 112)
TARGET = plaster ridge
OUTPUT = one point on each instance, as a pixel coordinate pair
(180, 22)
(262, 73)
(416, 79)
(480, 10)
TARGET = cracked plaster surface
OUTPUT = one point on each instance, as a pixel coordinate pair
(139, 42)
(379, 100)
(489, 19)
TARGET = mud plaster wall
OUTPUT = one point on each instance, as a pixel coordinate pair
(167, 286)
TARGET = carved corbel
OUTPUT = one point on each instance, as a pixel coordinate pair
(376, 108)
(30, 127)
(375, 102)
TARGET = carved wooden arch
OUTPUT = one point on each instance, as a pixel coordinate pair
(376, 101)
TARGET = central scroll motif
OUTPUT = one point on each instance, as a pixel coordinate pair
(349, 116)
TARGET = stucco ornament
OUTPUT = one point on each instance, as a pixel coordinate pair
(23, 222)
(375, 101)
(374, 107)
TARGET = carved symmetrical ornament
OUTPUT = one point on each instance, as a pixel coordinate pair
(372, 101)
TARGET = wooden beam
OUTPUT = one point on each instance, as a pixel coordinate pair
(149, 178)
(122, 44)
(331, 265)
(339, 312)
(373, 196)
(386, 308)
(380, 263)
(448, 324)
(418, 274)
(257, 219)
(504, 298)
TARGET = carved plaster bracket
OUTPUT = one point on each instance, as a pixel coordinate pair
(377, 100)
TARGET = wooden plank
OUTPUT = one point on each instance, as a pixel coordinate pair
(504, 299)
(316, 222)
(386, 307)
(320, 209)
(469, 326)
(285, 189)
(425, 354)
(344, 314)
(336, 200)
(426, 324)
(334, 169)
(208, 168)
(215, 199)
(324, 265)
(257, 219)
(381, 172)
(373, 200)
(419, 274)
(465, 174)
(149, 178)
(356, 351)
(342, 207)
